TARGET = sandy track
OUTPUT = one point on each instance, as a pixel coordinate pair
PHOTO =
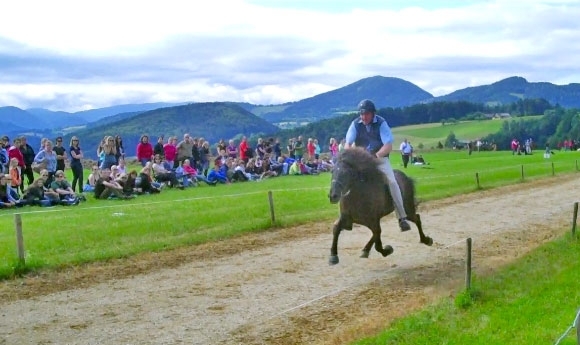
(276, 287)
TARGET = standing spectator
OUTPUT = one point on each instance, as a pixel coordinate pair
(221, 146)
(60, 154)
(170, 152)
(514, 146)
(406, 152)
(120, 149)
(290, 148)
(144, 150)
(317, 149)
(260, 148)
(196, 153)
(299, 148)
(333, 150)
(341, 146)
(310, 148)
(28, 154)
(205, 156)
(101, 152)
(4, 159)
(48, 157)
(277, 149)
(184, 149)
(76, 165)
(158, 149)
(244, 148)
(231, 149)
(110, 153)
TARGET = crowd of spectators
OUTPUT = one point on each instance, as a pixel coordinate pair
(38, 178)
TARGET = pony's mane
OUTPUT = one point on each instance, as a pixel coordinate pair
(363, 163)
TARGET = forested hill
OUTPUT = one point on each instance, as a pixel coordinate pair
(212, 121)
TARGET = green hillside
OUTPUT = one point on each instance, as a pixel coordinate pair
(430, 134)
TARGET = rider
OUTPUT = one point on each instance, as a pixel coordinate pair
(372, 132)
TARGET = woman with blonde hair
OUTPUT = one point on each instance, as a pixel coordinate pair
(110, 151)
(47, 156)
(76, 165)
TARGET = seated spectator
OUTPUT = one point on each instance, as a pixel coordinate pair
(92, 179)
(6, 199)
(215, 175)
(295, 168)
(191, 173)
(49, 194)
(145, 181)
(240, 174)
(114, 172)
(106, 187)
(163, 175)
(34, 194)
(267, 171)
(64, 190)
(122, 168)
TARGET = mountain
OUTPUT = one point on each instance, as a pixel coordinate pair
(97, 114)
(512, 89)
(384, 91)
(57, 119)
(16, 117)
(212, 121)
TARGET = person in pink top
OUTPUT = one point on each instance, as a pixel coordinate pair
(144, 150)
(170, 151)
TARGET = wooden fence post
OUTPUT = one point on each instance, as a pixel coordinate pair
(19, 238)
(553, 172)
(468, 265)
(477, 180)
(522, 172)
(574, 218)
(271, 201)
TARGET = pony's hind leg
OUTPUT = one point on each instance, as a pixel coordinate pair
(416, 218)
(387, 250)
(367, 249)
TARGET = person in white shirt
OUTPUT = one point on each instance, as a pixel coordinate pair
(406, 151)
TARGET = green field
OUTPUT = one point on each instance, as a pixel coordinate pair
(531, 301)
(431, 133)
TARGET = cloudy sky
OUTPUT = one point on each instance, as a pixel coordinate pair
(74, 55)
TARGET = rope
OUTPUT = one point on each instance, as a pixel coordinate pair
(576, 324)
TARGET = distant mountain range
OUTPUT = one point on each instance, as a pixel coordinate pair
(228, 119)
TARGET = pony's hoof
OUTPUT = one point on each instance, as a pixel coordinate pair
(333, 260)
(364, 254)
(428, 241)
(388, 250)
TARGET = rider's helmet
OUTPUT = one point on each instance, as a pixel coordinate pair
(366, 105)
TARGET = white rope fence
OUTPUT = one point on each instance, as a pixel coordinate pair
(576, 324)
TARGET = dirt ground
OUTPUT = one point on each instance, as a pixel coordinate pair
(277, 287)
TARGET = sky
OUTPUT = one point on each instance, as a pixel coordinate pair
(75, 55)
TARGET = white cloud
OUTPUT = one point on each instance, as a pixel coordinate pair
(76, 54)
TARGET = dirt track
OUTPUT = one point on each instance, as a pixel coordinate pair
(276, 287)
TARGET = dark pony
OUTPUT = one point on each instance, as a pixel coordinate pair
(360, 187)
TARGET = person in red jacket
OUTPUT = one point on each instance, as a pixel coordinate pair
(144, 150)
(14, 152)
(244, 149)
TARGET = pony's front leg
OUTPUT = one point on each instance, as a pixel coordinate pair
(336, 229)
(387, 250)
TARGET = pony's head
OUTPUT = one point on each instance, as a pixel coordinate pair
(354, 165)
(341, 182)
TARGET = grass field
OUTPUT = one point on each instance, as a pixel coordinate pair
(531, 301)
(431, 133)
(105, 229)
